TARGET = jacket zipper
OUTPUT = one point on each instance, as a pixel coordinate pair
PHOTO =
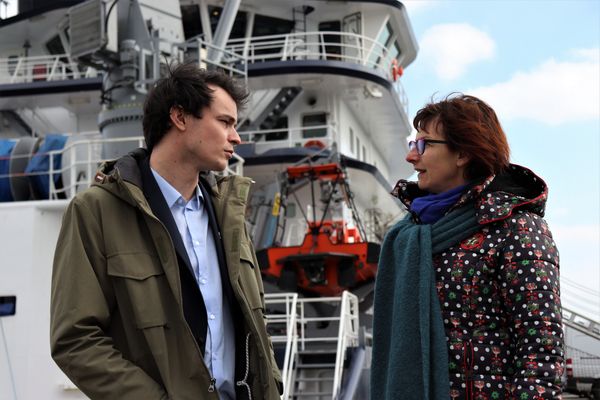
(213, 381)
(211, 387)
(243, 381)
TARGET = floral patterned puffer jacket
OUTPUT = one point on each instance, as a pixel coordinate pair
(499, 293)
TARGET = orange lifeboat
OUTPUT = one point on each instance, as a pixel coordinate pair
(334, 255)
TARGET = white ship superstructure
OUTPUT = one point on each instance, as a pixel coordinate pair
(325, 78)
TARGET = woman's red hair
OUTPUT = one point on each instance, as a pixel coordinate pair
(471, 127)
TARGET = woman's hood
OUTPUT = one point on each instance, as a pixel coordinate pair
(496, 197)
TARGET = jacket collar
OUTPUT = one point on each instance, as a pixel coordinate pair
(161, 210)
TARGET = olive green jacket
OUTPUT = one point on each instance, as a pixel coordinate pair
(118, 329)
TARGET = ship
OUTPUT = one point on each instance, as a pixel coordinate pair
(324, 136)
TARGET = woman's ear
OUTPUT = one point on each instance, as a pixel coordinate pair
(462, 160)
(177, 117)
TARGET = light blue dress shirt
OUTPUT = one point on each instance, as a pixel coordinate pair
(191, 219)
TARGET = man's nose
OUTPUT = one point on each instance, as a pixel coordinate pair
(234, 137)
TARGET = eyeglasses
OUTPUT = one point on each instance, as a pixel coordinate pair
(420, 144)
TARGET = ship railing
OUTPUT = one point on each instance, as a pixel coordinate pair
(334, 46)
(290, 319)
(77, 164)
(581, 323)
(209, 56)
(42, 68)
(266, 139)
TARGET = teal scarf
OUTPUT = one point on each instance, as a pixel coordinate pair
(410, 354)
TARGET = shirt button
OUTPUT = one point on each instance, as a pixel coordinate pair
(203, 281)
(196, 243)
(212, 316)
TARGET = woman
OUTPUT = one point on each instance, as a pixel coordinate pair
(467, 299)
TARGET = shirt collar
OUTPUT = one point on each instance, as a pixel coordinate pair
(172, 196)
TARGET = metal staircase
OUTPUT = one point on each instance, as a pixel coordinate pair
(315, 352)
(269, 117)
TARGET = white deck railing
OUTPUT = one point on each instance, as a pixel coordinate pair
(79, 161)
(334, 46)
(41, 68)
(266, 139)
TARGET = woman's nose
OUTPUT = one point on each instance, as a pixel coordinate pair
(412, 156)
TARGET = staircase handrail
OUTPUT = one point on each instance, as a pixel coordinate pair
(291, 342)
(347, 336)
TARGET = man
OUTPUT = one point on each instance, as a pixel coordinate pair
(156, 291)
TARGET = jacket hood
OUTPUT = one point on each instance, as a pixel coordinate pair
(113, 175)
(495, 197)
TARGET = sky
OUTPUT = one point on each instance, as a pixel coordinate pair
(537, 63)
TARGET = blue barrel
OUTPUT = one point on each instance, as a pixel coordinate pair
(40, 162)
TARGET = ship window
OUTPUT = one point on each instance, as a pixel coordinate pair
(319, 120)
(331, 48)
(364, 157)
(383, 39)
(280, 123)
(190, 18)
(54, 46)
(357, 148)
(395, 51)
(351, 141)
(264, 26)
(290, 210)
(238, 30)
(8, 305)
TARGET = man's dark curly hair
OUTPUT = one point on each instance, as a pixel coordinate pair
(185, 86)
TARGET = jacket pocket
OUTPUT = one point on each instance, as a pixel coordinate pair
(140, 287)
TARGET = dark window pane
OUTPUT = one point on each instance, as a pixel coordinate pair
(332, 42)
(314, 120)
(265, 26)
(238, 30)
(281, 123)
(8, 305)
(190, 17)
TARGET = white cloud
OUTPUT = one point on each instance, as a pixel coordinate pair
(453, 48)
(592, 55)
(554, 92)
